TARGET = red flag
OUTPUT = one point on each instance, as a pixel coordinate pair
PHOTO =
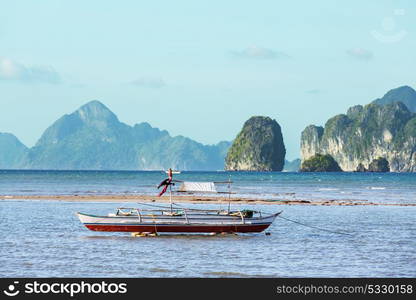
(166, 183)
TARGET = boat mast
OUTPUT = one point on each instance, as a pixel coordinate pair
(170, 196)
(170, 174)
(229, 192)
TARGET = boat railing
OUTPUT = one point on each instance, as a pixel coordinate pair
(140, 216)
(139, 212)
(242, 217)
(129, 211)
(186, 216)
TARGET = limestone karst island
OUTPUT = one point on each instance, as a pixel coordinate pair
(377, 137)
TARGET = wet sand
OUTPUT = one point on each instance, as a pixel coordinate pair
(194, 199)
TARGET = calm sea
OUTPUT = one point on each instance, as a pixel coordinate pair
(45, 238)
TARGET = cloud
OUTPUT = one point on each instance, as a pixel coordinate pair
(78, 85)
(360, 54)
(255, 52)
(154, 83)
(313, 92)
(14, 71)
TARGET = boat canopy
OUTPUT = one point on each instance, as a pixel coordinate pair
(207, 187)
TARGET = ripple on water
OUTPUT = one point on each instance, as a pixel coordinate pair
(46, 239)
(226, 274)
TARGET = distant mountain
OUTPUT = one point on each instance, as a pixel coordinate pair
(258, 147)
(12, 151)
(93, 138)
(292, 166)
(404, 94)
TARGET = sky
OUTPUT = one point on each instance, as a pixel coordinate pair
(201, 68)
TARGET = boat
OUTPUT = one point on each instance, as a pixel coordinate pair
(184, 220)
(178, 219)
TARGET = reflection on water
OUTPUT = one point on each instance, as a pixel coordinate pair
(167, 236)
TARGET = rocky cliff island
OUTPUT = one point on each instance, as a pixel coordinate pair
(380, 136)
(258, 147)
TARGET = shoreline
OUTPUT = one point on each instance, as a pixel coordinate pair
(196, 199)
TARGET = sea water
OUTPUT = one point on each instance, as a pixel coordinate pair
(372, 187)
(44, 238)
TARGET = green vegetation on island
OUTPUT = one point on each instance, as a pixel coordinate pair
(258, 147)
(320, 163)
(380, 129)
(379, 165)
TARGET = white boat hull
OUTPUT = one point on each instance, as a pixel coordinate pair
(206, 223)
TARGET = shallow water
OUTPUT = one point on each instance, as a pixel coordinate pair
(45, 238)
(374, 187)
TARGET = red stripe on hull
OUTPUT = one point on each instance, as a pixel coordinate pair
(186, 228)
